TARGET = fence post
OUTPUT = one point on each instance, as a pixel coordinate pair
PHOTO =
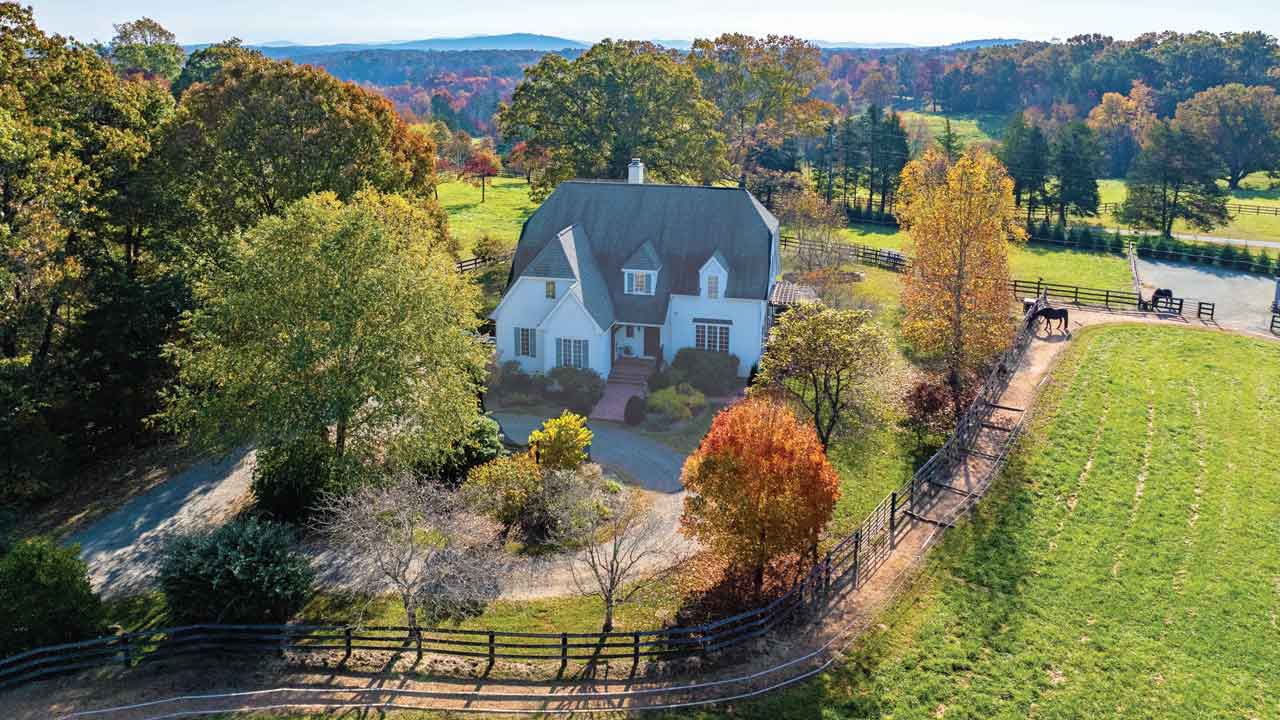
(346, 637)
(564, 648)
(417, 641)
(492, 649)
(1108, 300)
(125, 655)
(635, 651)
(893, 519)
(857, 543)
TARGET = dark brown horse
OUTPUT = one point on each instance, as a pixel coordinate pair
(1049, 314)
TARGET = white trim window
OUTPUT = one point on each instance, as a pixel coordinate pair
(526, 342)
(713, 286)
(640, 282)
(711, 336)
(572, 352)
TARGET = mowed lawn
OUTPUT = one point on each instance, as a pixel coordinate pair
(970, 128)
(1256, 189)
(1032, 261)
(1124, 565)
(502, 214)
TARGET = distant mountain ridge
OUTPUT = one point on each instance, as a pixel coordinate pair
(510, 41)
(552, 43)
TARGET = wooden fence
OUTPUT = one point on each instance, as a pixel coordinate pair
(845, 568)
(1275, 323)
(832, 253)
(472, 264)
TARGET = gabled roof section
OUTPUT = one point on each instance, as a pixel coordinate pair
(719, 258)
(591, 287)
(551, 262)
(683, 225)
(644, 258)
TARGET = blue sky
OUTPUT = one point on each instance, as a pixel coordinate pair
(907, 21)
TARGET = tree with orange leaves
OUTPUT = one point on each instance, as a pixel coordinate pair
(760, 486)
(960, 217)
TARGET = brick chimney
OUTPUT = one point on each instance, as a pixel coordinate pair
(635, 172)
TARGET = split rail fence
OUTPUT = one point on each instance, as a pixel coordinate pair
(845, 568)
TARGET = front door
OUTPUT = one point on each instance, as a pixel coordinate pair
(651, 342)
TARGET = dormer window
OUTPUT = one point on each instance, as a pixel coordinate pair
(713, 275)
(640, 282)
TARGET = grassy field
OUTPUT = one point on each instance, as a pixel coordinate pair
(501, 215)
(1123, 566)
(969, 127)
(1256, 189)
(1029, 262)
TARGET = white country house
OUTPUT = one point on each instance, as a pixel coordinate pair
(612, 275)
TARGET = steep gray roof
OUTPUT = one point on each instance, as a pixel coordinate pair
(683, 225)
(644, 258)
(576, 249)
(551, 262)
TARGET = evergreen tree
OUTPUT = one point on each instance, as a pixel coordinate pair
(1174, 178)
(950, 142)
(1076, 160)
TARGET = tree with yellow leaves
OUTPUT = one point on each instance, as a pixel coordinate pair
(961, 218)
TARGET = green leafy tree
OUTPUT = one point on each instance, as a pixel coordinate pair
(262, 134)
(1076, 160)
(763, 88)
(333, 319)
(833, 363)
(1241, 125)
(617, 101)
(203, 65)
(1174, 178)
(46, 596)
(145, 45)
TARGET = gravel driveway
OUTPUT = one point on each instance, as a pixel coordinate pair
(639, 460)
(123, 548)
(648, 463)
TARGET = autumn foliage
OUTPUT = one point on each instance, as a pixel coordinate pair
(760, 486)
(961, 218)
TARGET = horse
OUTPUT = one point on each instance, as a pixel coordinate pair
(1049, 314)
(1164, 293)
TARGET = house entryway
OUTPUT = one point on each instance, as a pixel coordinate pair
(628, 378)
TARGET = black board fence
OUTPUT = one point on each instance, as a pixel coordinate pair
(847, 566)
(821, 253)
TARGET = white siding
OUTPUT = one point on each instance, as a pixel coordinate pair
(709, 268)
(526, 305)
(570, 320)
(747, 317)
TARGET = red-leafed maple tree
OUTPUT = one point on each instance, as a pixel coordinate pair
(760, 486)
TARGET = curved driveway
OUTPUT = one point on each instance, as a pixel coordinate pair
(123, 548)
(646, 462)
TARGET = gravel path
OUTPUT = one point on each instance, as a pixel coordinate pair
(634, 458)
(123, 548)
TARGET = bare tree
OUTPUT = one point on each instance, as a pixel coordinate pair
(816, 225)
(441, 559)
(625, 550)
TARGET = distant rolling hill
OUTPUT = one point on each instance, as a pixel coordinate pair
(512, 41)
